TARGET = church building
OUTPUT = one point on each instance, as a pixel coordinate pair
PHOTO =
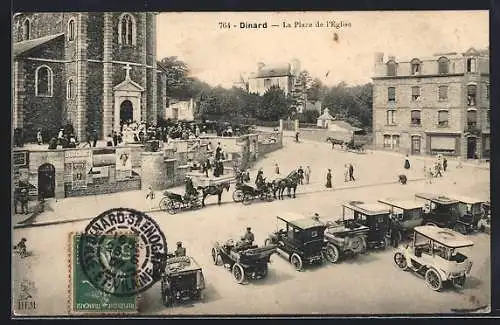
(92, 70)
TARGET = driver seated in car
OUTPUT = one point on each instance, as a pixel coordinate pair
(247, 239)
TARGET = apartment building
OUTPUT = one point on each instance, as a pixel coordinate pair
(438, 104)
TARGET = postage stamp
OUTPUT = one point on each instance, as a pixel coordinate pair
(83, 296)
(297, 162)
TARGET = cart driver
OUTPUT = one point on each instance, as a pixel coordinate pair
(180, 251)
(191, 192)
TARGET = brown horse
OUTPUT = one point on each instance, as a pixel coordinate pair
(213, 190)
(334, 141)
(289, 183)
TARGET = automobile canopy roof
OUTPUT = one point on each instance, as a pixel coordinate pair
(465, 199)
(446, 237)
(300, 221)
(440, 199)
(369, 209)
(402, 204)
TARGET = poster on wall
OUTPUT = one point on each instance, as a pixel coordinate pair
(123, 163)
(79, 175)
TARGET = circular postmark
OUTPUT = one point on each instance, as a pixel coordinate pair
(120, 252)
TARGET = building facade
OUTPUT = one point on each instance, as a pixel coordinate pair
(92, 70)
(278, 75)
(439, 104)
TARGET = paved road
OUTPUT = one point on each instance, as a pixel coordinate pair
(365, 285)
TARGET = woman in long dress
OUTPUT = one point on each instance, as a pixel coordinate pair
(329, 179)
(407, 163)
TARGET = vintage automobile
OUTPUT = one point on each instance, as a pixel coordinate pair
(182, 279)
(484, 224)
(470, 212)
(441, 211)
(344, 238)
(300, 240)
(409, 214)
(375, 216)
(244, 261)
(438, 255)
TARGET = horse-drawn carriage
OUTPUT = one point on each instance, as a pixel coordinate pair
(174, 203)
(242, 259)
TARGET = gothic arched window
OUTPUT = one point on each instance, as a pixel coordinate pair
(71, 30)
(70, 89)
(126, 30)
(43, 81)
(26, 30)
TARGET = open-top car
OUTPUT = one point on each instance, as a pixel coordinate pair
(182, 279)
(375, 216)
(244, 260)
(299, 239)
(438, 255)
(470, 212)
(440, 210)
(408, 213)
(344, 238)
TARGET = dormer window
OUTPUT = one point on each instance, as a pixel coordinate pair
(471, 65)
(391, 68)
(415, 67)
(443, 65)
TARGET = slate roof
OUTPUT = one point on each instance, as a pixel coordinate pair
(277, 71)
(20, 48)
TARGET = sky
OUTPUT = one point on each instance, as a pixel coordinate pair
(219, 55)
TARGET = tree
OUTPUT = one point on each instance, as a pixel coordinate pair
(275, 105)
(177, 76)
(316, 90)
(299, 90)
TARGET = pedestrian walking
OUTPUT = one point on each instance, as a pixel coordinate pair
(296, 136)
(39, 137)
(351, 173)
(94, 138)
(445, 164)
(150, 196)
(346, 173)
(307, 174)
(300, 171)
(428, 174)
(24, 198)
(329, 179)
(115, 138)
(407, 163)
(438, 169)
(109, 141)
(276, 169)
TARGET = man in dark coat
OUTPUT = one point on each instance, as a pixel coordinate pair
(395, 228)
(259, 179)
(24, 198)
(329, 179)
(445, 164)
(180, 251)
(300, 171)
(351, 173)
(94, 138)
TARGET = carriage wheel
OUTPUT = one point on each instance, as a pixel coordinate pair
(296, 262)
(400, 261)
(332, 253)
(238, 196)
(267, 242)
(247, 198)
(238, 273)
(433, 280)
(264, 271)
(164, 203)
(171, 207)
(269, 197)
(215, 256)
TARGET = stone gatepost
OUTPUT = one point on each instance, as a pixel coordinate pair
(153, 170)
(296, 125)
(281, 125)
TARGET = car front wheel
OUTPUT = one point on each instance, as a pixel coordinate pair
(296, 261)
(433, 280)
(400, 261)
(332, 253)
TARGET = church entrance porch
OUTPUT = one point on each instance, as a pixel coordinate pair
(127, 97)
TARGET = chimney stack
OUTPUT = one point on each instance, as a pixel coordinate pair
(260, 65)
